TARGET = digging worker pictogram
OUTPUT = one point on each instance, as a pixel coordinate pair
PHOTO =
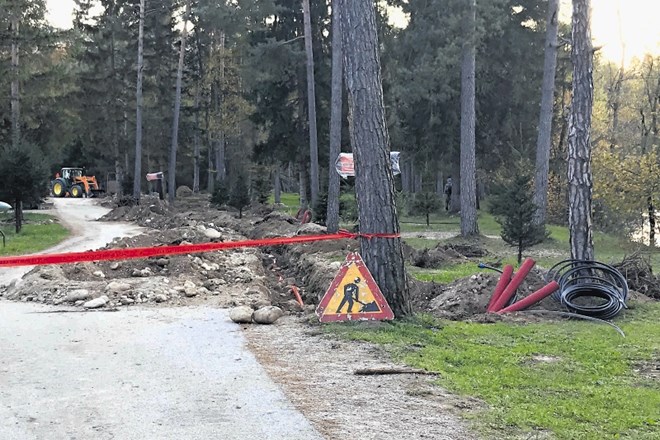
(351, 295)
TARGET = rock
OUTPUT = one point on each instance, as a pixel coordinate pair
(212, 233)
(162, 262)
(144, 273)
(114, 266)
(159, 298)
(99, 274)
(126, 301)
(258, 289)
(116, 287)
(267, 315)
(78, 295)
(311, 229)
(292, 304)
(190, 289)
(210, 267)
(183, 191)
(96, 303)
(241, 315)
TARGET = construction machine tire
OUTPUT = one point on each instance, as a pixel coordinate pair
(58, 188)
(76, 191)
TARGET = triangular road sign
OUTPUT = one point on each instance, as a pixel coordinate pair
(353, 295)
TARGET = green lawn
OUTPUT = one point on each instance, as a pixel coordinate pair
(39, 232)
(573, 380)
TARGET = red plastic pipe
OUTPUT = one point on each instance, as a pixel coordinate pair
(535, 297)
(505, 279)
(516, 281)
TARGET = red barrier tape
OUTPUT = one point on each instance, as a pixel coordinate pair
(146, 252)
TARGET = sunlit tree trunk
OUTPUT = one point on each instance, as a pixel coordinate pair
(311, 108)
(580, 182)
(15, 88)
(468, 187)
(374, 183)
(332, 220)
(139, 106)
(544, 139)
(177, 108)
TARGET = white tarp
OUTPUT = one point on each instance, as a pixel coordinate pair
(346, 167)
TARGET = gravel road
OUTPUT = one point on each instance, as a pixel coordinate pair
(139, 373)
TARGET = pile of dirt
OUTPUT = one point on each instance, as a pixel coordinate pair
(468, 298)
(444, 255)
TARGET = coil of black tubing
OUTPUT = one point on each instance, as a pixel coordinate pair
(589, 279)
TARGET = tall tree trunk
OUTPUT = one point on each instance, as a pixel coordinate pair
(196, 144)
(468, 187)
(651, 211)
(302, 188)
(18, 215)
(311, 107)
(119, 171)
(15, 88)
(374, 183)
(177, 108)
(140, 102)
(332, 216)
(277, 184)
(220, 145)
(544, 140)
(580, 181)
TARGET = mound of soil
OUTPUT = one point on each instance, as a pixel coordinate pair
(468, 298)
(444, 255)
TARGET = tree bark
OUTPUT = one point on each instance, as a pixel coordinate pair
(468, 189)
(651, 211)
(311, 107)
(220, 145)
(544, 140)
(177, 109)
(15, 87)
(277, 185)
(140, 102)
(332, 216)
(196, 144)
(374, 183)
(580, 182)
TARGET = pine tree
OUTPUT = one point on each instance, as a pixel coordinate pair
(239, 196)
(514, 209)
(426, 203)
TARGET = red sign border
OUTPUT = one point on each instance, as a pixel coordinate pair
(385, 313)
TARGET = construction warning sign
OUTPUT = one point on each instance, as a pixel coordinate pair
(353, 295)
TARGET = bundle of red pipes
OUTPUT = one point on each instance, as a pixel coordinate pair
(507, 285)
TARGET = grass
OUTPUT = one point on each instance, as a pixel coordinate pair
(39, 232)
(576, 380)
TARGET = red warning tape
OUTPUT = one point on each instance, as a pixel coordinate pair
(146, 252)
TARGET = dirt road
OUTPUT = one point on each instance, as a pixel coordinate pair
(138, 373)
(78, 216)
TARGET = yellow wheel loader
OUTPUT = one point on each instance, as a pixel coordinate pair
(73, 182)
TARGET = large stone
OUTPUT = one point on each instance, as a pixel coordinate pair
(189, 288)
(99, 274)
(267, 315)
(78, 295)
(96, 303)
(311, 229)
(212, 233)
(116, 287)
(241, 315)
(183, 191)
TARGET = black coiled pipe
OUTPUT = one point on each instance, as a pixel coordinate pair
(589, 279)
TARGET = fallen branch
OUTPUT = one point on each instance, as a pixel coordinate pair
(391, 370)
